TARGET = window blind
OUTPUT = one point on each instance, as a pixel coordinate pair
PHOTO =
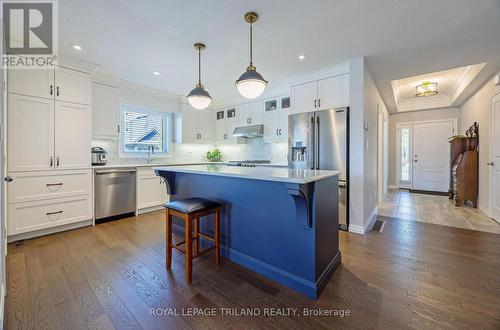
(143, 129)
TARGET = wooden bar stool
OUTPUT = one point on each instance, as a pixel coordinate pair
(192, 209)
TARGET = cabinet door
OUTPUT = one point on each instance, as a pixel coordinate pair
(271, 120)
(304, 97)
(231, 123)
(283, 112)
(72, 135)
(72, 86)
(243, 114)
(256, 113)
(149, 191)
(205, 126)
(105, 111)
(333, 92)
(189, 122)
(220, 126)
(34, 82)
(30, 140)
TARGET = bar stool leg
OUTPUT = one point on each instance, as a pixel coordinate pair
(196, 237)
(169, 239)
(216, 237)
(189, 253)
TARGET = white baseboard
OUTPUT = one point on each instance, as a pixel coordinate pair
(362, 230)
(2, 304)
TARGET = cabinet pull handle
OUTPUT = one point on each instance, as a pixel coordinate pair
(57, 91)
(51, 90)
(319, 103)
(118, 127)
(315, 103)
(57, 161)
(54, 184)
(51, 161)
(280, 131)
(57, 212)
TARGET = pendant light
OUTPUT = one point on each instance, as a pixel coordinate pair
(199, 98)
(251, 84)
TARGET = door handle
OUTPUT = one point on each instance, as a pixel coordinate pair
(415, 160)
(317, 144)
(312, 145)
(8, 179)
(490, 164)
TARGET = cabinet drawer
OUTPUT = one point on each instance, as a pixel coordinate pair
(47, 185)
(31, 216)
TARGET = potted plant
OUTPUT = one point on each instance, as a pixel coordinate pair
(214, 155)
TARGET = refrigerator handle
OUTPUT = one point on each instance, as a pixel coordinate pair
(316, 142)
(312, 144)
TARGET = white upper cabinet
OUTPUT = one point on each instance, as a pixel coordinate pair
(250, 114)
(72, 86)
(304, 97)
(243, 115)
(321, 94)
(276, 119)
(30, 133)
(105, 111)
(333, 92)
(225, 123)
(35, 82)
(197, 126)
(72, 136)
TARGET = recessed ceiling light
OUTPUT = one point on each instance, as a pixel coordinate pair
(77, 46)
(157, 73)
(302, 57)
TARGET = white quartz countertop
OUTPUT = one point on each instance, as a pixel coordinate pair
(266, 173)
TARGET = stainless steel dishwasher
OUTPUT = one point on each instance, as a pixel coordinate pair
(114, 193)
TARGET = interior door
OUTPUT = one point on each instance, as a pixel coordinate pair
(30, 140)
(495, 160)
(72, 135)
(431, 153)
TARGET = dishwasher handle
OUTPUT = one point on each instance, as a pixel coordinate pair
(115, 171)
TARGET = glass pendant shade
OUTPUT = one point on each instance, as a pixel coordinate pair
(199, 98)
(251, 84)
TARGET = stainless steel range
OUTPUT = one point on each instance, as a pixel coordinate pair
(248, 163)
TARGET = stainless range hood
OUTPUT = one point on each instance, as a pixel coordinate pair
(249, 131)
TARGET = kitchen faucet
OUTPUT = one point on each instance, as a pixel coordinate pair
(151, 152)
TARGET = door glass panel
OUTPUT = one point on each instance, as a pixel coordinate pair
(405, 154)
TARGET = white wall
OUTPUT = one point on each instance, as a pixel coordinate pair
(478, 108)
(410, 116)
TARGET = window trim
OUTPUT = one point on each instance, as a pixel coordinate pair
(167, 138)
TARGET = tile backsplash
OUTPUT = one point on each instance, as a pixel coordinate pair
(254, 149)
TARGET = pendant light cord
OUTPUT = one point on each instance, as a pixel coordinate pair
(199, 66)
(251, 36)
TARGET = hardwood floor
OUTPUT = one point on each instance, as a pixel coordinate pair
(412, 275)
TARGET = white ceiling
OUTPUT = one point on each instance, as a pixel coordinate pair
(130, 39)
(452, 84)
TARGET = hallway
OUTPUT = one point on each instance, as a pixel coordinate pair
(434, 209)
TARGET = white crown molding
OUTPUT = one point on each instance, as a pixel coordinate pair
(77, 64)
(326, 72)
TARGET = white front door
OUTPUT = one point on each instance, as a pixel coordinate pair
(495, 159)
(431, 155)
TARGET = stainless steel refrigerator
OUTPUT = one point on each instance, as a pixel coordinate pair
(320, 140)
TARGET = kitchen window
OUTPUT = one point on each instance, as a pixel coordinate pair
(143, 128)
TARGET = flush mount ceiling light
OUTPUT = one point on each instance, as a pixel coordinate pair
(302, 57)
(199, 98)
(427, 88)
(251, 84)
(77, 46)
(157, 73)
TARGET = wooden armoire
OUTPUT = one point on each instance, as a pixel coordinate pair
(464, 160)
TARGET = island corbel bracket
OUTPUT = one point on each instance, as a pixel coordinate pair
(169, 178)
(302, 195)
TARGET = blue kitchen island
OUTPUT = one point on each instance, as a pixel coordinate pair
(281, 223)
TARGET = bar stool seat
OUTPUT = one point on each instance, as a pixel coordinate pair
(188, 210)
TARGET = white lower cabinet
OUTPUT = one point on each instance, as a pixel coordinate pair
(151, 189)
(31, 216)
